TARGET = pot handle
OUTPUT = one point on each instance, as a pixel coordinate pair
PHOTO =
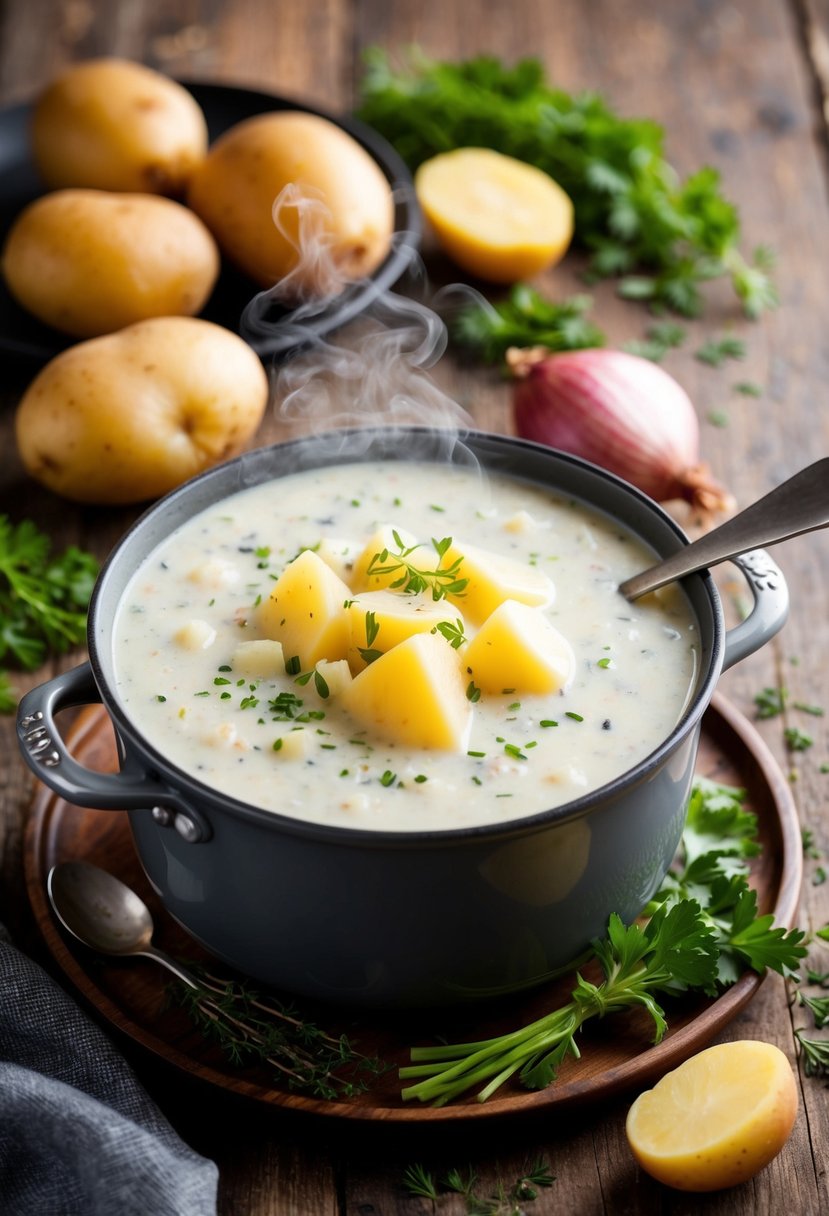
(132, 788)
(770, 609)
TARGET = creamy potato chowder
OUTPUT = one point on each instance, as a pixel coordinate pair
(286, 647)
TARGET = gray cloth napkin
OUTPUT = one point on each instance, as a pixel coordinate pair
(78, 1134)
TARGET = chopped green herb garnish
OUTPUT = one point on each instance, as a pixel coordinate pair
(797, 740)
(219, 680)
(747, 389)
(285, 706)
(367, 653)
(454, 634)
(512, 750)
(548, 722)
(770, 702)
(659, 340)
(473, 693)
(420, 779)
(412, 579)
(277, 745)
(388, 778)
(715, 352)
(605, 663)
(160, 697)
(293, 666)
(576, 717)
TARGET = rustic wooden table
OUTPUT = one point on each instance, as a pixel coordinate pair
(742, 85)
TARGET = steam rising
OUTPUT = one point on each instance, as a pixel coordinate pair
(372, 372)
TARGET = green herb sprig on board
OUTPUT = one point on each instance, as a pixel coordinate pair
(525, 319)
(43, 598)
(663, 237)
(250, 1028)
(703, 930)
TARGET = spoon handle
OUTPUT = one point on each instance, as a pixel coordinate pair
(178, 971)
(798, 505)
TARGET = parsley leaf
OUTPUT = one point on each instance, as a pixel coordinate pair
(715, 352)
(638, 220)
(43, 599)
(525, 319)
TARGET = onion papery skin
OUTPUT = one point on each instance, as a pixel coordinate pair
(619, 411)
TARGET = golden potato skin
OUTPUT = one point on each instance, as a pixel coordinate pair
(235, 187)
(91, 261)
(128, 416)
(112, 124)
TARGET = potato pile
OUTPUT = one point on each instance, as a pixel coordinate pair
(126, 249)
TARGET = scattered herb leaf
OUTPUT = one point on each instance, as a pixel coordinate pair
(717, 350)
(525, 318)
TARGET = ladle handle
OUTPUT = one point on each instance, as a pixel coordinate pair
(798, 505)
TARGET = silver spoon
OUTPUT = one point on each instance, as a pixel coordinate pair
(798, 505)
(106, 915)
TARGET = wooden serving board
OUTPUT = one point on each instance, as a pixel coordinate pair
(133, 995)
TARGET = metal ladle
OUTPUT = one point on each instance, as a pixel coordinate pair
(106, 915)
(798, 505)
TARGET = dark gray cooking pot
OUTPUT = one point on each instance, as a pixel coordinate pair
(395, 918)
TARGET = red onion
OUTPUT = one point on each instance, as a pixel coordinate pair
(619, 411)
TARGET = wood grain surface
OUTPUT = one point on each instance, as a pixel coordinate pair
(742, 85)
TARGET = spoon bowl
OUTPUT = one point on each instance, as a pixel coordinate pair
(105, 914)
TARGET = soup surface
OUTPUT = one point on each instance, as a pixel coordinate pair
(193, 600)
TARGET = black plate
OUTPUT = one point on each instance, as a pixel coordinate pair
(24, 336)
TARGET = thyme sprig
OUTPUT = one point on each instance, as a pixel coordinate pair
(252, 1029)
(413, 579)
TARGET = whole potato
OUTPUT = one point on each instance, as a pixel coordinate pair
(116, 125)
(235, 188)
(90, 261)
(128, 416)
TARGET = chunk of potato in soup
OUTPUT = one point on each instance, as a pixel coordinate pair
(253, 722)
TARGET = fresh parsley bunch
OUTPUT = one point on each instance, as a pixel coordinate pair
(703, 931)
(664, 237)
(43, 598)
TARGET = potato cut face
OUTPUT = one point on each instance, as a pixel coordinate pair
(336, 674)
(305, 612)
(518, 648)
(379, 620)
(717, 1119)
(492, 578)
(496, 216)
(414, 695)
(262, 659)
